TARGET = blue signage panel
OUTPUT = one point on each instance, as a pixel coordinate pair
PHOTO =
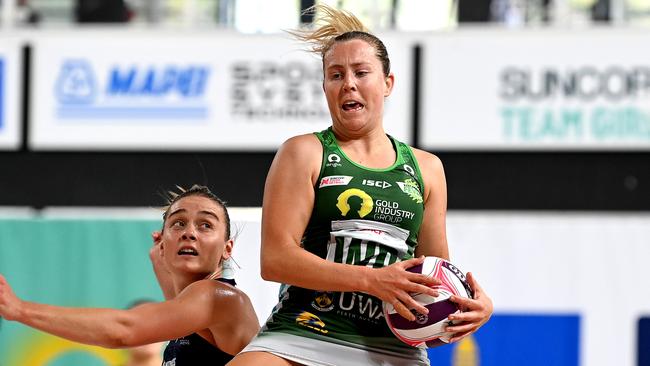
(516, 340)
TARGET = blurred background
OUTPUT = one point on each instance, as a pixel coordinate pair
(539, 110)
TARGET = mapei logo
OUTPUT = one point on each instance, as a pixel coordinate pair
(76, 83)
(311, 321)
(158, 91)
(355, 200)
(335, 180)
(158, 81)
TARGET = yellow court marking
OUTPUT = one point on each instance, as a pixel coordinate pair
(43, 350)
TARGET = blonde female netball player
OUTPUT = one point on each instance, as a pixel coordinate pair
(346, 211)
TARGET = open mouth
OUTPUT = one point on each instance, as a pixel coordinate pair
(352, 105)
(188, 251)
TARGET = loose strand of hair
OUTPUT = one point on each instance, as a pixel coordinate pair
(330, 23)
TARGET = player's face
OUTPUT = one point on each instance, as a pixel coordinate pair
(194, 238)
(355, 86)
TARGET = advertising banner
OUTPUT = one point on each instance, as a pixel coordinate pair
(536, 89)
(117, 90)
(10, 91)
(515, 340)
(568, 289)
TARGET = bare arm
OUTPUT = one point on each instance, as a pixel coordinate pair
(191, 311)
(432, 238)
(287, 207)
(432, 241)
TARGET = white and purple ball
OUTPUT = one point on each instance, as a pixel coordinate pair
(428, 329)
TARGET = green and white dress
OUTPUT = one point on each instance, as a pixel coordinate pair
(365, 217)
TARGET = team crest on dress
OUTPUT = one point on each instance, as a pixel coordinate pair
(411, 188)
(323, 301)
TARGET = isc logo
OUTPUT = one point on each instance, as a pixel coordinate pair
(376, 183)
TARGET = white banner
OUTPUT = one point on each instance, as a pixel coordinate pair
(123, 89)
(537, 89)
(10, 91)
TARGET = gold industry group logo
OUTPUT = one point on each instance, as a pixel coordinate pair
(361, 200)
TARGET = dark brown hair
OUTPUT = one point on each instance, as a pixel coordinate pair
(196, 190)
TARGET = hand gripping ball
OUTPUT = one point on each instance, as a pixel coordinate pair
(428, 329)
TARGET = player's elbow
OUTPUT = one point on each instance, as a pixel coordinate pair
(270, 268)
(119, 336)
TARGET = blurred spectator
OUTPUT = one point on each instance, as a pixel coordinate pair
(24, 13)
(102, 11)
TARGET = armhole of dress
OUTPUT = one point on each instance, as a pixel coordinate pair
(408, 151)
(321, 138)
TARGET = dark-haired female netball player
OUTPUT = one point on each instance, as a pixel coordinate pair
(207, 319)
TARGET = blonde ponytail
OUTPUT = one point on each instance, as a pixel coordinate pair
(330, 23)
(334, 25)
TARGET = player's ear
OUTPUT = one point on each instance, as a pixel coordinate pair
(227, 249)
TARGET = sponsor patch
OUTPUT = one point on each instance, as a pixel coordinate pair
(333, 160)
(335, 180)
(411, 188)
(311, 321)
(323, 301)
(354, 202)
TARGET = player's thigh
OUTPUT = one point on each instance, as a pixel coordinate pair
(260, 358)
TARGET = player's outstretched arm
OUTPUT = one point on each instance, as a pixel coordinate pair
(192, 310)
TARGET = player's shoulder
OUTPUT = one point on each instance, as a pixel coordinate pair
(215, 290)
(301, 148)
(301, 142)
(427, 161)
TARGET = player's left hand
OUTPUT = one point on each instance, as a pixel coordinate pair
(475, 312)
